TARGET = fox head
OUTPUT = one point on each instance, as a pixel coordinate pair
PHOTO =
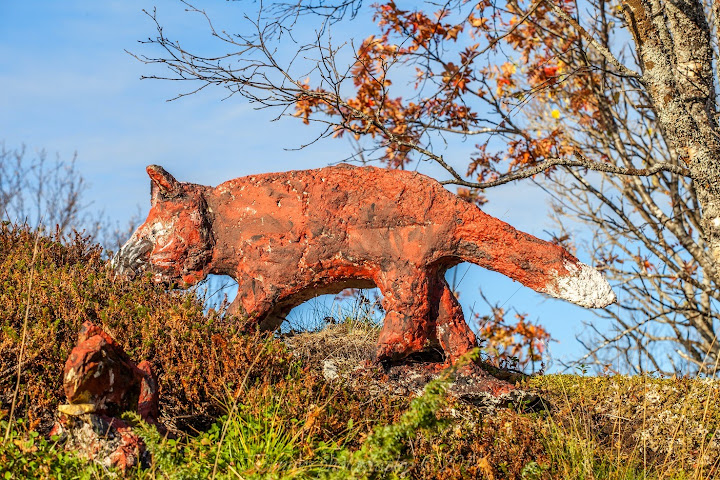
(176, 242)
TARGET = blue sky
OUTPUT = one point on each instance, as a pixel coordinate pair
(67, 85)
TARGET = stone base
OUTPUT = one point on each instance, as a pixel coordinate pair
(105, 440)
(472, 384)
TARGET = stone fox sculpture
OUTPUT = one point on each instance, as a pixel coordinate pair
(288, 237)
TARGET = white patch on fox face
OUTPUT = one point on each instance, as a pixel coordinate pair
(165, 240)
(583, 285)
(154, 243)
(161, 229)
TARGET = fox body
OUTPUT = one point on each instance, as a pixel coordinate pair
(287, 237)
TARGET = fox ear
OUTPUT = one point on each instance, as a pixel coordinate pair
(162, 182)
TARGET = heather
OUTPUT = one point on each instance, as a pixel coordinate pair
(241, 404)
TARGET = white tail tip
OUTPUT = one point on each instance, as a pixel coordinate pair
(583, 285)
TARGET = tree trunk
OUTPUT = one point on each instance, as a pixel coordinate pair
(673, 41)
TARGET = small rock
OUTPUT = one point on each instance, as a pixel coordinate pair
(330, 370)
(471, 384)
(108, 441)
(76, 409)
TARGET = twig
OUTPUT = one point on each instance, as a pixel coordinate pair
(581, 162)
(527, 14)
(232, 410)
(600, 48)
(9, 371)
(24, 335)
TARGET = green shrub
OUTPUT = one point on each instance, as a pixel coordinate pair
(27, 454)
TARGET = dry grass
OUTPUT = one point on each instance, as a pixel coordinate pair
(659, 427)
(346, 345)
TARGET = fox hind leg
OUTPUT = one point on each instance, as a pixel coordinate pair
(408, 326)
(453, 332)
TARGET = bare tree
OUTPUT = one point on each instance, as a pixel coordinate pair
(34, 189)
(37, 191)
(652, 235)
(617, 112)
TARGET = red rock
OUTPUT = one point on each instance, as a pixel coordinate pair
(100, 373)
(100, 383)
(288, 237)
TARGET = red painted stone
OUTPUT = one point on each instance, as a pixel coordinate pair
(100, 373)
(288, 237)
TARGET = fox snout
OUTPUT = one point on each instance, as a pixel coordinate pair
(132, 258)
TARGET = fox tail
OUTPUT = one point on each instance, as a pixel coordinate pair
(543, 266)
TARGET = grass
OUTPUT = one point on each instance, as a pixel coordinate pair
(244, 444)
(245, 405)
(423, 442)
(641, 427)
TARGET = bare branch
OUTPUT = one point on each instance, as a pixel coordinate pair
(622, 69)
(581, 162)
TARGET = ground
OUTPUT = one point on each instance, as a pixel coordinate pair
(251, 405)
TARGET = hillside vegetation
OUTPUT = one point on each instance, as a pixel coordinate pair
(248, 405)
